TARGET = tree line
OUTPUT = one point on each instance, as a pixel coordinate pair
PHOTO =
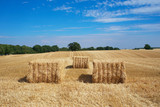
(148, 47)
(17, 49)
(6, 49)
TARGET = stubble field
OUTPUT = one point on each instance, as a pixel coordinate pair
(142, 87)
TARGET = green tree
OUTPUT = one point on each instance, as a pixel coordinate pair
(2, 50)
(109, 48)
(17, 49)
(147, 46)
(55, 48)
(84, 49)
(37, 48)
(63, 49)
(116, 48)
(74, 46)
(7, 49)
(90, 48)
(100, 48)
(26, 49)
(12, 51)
(136, 48)
(46, 48)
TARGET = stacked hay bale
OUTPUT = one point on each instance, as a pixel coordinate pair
(80, 62)
(108, 72)
(43, 70)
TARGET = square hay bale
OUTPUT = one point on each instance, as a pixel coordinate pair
(80, 62)
(46, 70)
(108, 72)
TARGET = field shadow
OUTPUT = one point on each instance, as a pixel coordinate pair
(86, 78)
(69, 67)
(23, 79)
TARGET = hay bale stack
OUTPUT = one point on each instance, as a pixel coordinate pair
(108, 72)
(80, 62)
(43, 70)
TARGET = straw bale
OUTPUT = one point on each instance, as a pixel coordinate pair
(108, 72)
(43, 70)
(80, 62)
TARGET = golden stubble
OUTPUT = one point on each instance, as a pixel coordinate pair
(141, 88)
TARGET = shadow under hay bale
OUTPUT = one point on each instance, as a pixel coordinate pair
(86, 78)
(24, 79)
(69, 67)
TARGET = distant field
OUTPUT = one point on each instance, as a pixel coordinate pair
(142, 87)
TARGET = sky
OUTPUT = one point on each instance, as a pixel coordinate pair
(125, 24)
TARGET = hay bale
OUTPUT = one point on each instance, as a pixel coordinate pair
(43, 70)
(80, 62)
(100, 72)
(95, 72)
(123, 75)
(108, 72)
(105, 73)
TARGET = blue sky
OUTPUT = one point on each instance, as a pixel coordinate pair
(117, 23)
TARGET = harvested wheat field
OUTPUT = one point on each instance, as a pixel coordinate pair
(142, 88)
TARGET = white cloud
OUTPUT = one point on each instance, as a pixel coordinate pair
(103, 15)
(49, 0)
(45, 42)
(75, 28)
(149, 27)
(139, 2)
(62, 8)
(107, 16)
(59, 30)
(97, 13)
(77, 1)
(33, 9)
(106, 3)
(108, 20)
(146, 10)
(77, 11)
(118, 28)
(6, 37)
(3, 36)
(100, 13)
(134, 28)
(39, 26)
(25, 2)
